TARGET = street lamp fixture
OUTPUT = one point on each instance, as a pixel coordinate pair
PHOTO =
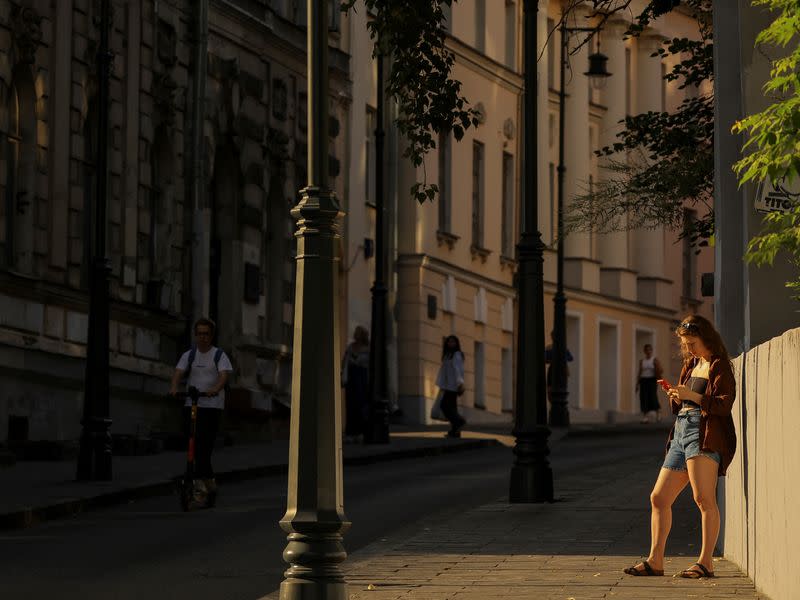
(315, 519)
(531, 475)
(377, 431)
(94, 454)
(598, 74)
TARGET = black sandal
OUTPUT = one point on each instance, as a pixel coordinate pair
(648, 571)
(692, 573)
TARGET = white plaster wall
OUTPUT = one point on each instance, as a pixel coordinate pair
(761, 492)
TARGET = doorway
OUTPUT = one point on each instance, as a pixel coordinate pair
(608, 366)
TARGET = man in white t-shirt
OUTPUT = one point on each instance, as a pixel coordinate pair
(207, 368)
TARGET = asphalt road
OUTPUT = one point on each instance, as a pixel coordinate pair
(151, 550)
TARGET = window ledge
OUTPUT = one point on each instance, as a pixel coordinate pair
(445, 237)
(478, 251)
(507, 262)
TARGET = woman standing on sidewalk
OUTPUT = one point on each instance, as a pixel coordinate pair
(701, 444)
(650, 372)
(451, 381)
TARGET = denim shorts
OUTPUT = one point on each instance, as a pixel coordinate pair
(686, 442)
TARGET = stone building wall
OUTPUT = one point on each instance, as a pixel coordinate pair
(254, 145)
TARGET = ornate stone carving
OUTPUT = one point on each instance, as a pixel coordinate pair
(480, 111)
(26, 29)
(509, 129)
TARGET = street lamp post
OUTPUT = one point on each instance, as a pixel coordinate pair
(314, 519)
(531, 475)
(377, 431)
(94, 455)
(559, 413)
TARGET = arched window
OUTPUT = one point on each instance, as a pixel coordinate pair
(20, 173)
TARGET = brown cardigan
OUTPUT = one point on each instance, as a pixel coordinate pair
(716, 423)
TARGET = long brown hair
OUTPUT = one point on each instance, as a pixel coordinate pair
(700, 327)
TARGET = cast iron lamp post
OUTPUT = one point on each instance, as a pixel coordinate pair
(377, 431)
(559, 413)
(94, 455)
(531, 475)
(314, 518)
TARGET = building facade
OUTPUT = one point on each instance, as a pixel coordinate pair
(453, 261)
(198, 215)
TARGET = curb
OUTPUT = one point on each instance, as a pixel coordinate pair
(31, 516)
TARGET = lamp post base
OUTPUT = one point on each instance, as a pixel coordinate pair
(377, 431)
(94, 454)
(314, 557)
(559, 413)
(531, 475)
(313, 590)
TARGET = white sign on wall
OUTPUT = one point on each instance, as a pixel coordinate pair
(780, 198)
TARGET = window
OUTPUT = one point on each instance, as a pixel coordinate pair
(89, 190)
(551, 130)
(551, 53)
(508, 384)
(18, 152)
(444, 182)
(477, 194)
(507, 233)
(481, 308)
(162, 218)
(479, 389)
(689, 270)
(447, 22)
(480, 25)
(369, 145)
(10, 161)
(511, 33)
(551, 174)
(592, 237)
(628, 81)
(449, 295)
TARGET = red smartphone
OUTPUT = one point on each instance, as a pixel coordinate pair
(664, 384)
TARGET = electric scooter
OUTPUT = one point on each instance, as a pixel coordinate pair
(191, 491)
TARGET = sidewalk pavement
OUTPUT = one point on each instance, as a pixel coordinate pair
(573, 549)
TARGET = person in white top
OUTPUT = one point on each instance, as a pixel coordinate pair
(650, 372)
(451, 381)
(207, 368)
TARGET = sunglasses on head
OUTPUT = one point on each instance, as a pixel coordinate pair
(689, 327)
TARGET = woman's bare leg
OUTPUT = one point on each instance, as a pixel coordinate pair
(703, 477)
(666, 489)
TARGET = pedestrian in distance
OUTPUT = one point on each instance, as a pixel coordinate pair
(650, 372)
(701, 444)
(207, 368)
(451, 381)
(355, 379)
(548, 360)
